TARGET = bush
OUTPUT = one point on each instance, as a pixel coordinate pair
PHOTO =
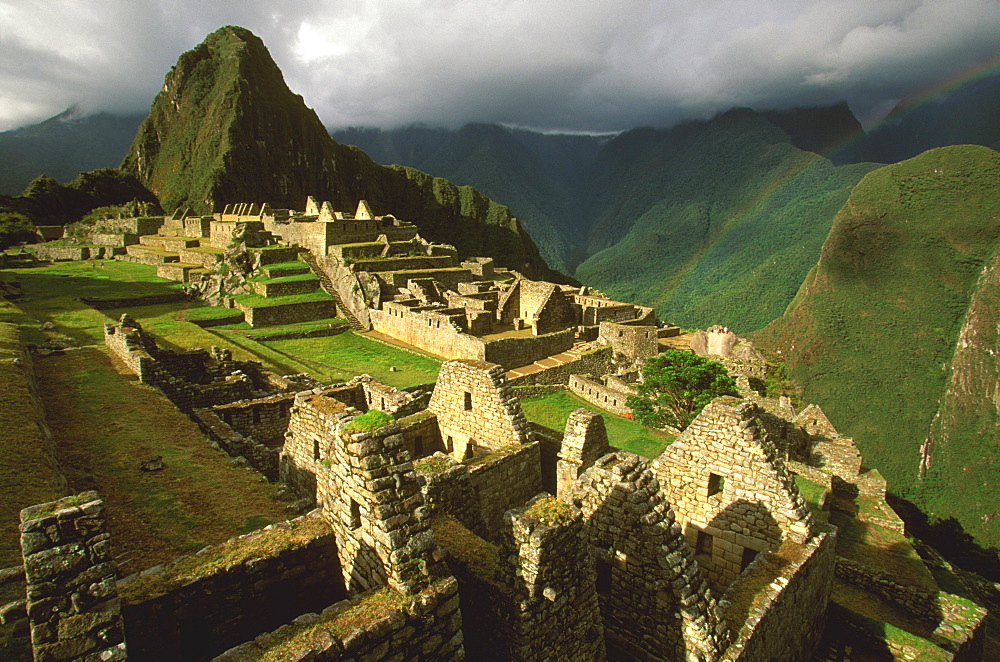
(676, 387)
(14, 229)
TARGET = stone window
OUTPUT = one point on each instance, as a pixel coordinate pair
(450, 445)
(603, 583)
(355, 514)
(703, 546)
(748, 556)
(716, 484)
(418, 445)
(468, 401)
(256, 415)
(315, 449)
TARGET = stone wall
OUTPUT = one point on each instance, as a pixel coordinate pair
(73, 601)
(583, 442)
(314, 419)
(545, 564)
(201, 605)
(597, 393)
(477, 410)
(128, 302)
(655, 602)
(918, 601)
(412, 328)
(448, 490)
(264, 419)
(376, 626)
(371, 497)
(787, 613)
(288, 313)
(730, 489)
(262, 458)
(637, 343)
(505, 479)
(519, 351)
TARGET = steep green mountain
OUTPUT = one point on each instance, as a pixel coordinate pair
(537, 175)
(226, 128)
(62, 146)
(711, 222)
(895, 331)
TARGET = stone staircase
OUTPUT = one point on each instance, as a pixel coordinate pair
(556, 360)
(327, 285)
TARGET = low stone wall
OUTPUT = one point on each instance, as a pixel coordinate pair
(594, 362)
(378, 625)
(919, 602)
(289, 313)
(206, 259)
(131, 302)
(198, 606)
(73, 253)
(263, 459)
(516, 352)
(787, 612)
(285, 288)
(505, 479)
(119, 239)
(412, 329)
(597, 393)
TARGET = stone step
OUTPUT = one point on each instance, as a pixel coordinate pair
(281, 288)
(169, 243)
(281, 272)
(275, 314)
(152, 255)
(179, 271)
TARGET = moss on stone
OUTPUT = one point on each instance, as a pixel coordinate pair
(478, 555)
(550, 511)
(370, 421)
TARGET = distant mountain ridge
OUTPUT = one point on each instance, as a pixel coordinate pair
(63, 146)
(622, 212)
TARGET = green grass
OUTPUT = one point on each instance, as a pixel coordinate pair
(812, 492)
(347, 354)
(50, 293)
(257, 301)
(553, 410)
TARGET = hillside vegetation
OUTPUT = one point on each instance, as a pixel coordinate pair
(895, 330)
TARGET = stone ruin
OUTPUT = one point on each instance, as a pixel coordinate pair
(460, 529)
(444, 517)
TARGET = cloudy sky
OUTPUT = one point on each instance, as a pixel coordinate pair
(584, 65)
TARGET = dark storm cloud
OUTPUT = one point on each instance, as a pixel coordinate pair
(595, 65)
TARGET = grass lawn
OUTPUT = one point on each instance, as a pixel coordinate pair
(50, 293)
(348, 354)
(105, 424)
(552, 410)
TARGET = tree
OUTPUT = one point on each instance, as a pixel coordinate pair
(676, 387)
(15, 228)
